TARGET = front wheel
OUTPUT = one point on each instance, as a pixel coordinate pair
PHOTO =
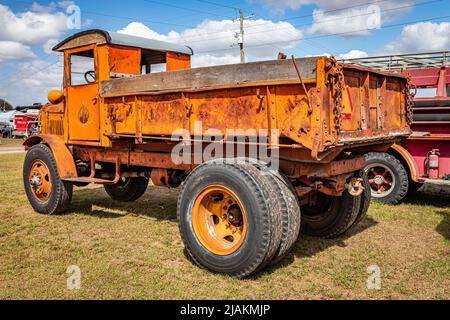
(45, 190)
(388, 178)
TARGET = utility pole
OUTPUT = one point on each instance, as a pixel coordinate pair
(240, 35)
(241, 38)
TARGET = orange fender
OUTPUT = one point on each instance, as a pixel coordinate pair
(64, 159)
(412, 165)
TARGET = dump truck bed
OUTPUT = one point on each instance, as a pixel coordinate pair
(343, 105)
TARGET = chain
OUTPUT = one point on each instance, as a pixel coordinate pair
(336, 79)
(410, 101)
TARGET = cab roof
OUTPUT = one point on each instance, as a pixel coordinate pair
(99, 37)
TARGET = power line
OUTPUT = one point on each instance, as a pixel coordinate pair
(341, 9)
(187, 9)
(208, 12)
(311, 14)
(134, 19)
(31, 74)
(320, 22)
(338, 9)
(291, 18)
(195, 14)
(304, 24)
(95, 13)
(219, 4)
(331, 34)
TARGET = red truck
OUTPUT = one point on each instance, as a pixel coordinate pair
(425, 156)
(26, 123)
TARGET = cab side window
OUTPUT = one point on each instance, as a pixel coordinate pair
(82, 68)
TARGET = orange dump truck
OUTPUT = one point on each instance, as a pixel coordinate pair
(262, 150)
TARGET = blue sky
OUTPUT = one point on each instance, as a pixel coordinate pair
(300, 27)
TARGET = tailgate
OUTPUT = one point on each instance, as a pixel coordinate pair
(376, 106)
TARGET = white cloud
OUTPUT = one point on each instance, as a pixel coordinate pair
(141, 30)
(11, 50)
(347, 18)
(356, 21)
(348, 23)
(36, 78)
(353, 54)
(36, 7)
(49, 45)
(279, 6)
(65, 4)
(210, 60)
(31, 27)
(212, 40)
(421, 37)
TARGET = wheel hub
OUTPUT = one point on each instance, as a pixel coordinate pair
(40, 181)
(381, 179)
(219, 220)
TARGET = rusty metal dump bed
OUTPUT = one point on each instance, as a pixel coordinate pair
(343, 106)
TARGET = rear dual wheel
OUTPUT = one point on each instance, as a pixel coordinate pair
(127, 189)
(231, 216)
(331, 217)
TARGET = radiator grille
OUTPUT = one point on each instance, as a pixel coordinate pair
(55, 127)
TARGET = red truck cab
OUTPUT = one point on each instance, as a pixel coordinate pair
(425, 156)
(26, 123)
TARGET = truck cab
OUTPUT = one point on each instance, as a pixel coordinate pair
(94, 56)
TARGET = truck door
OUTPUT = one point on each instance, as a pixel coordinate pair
(82, 94)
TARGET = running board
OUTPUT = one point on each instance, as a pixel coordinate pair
(90, 180)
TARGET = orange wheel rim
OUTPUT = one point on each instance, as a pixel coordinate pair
(219, 220)
(40, 180)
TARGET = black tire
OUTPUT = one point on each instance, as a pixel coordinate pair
(290, 210)
(128, 189)
(262, 210)
(366, 199)
(396, 172)
(61, 191)
(291, 217)
(331, 217)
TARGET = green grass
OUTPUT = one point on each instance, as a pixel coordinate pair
(134, 251)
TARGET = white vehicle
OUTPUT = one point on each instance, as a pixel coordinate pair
(7, 125)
